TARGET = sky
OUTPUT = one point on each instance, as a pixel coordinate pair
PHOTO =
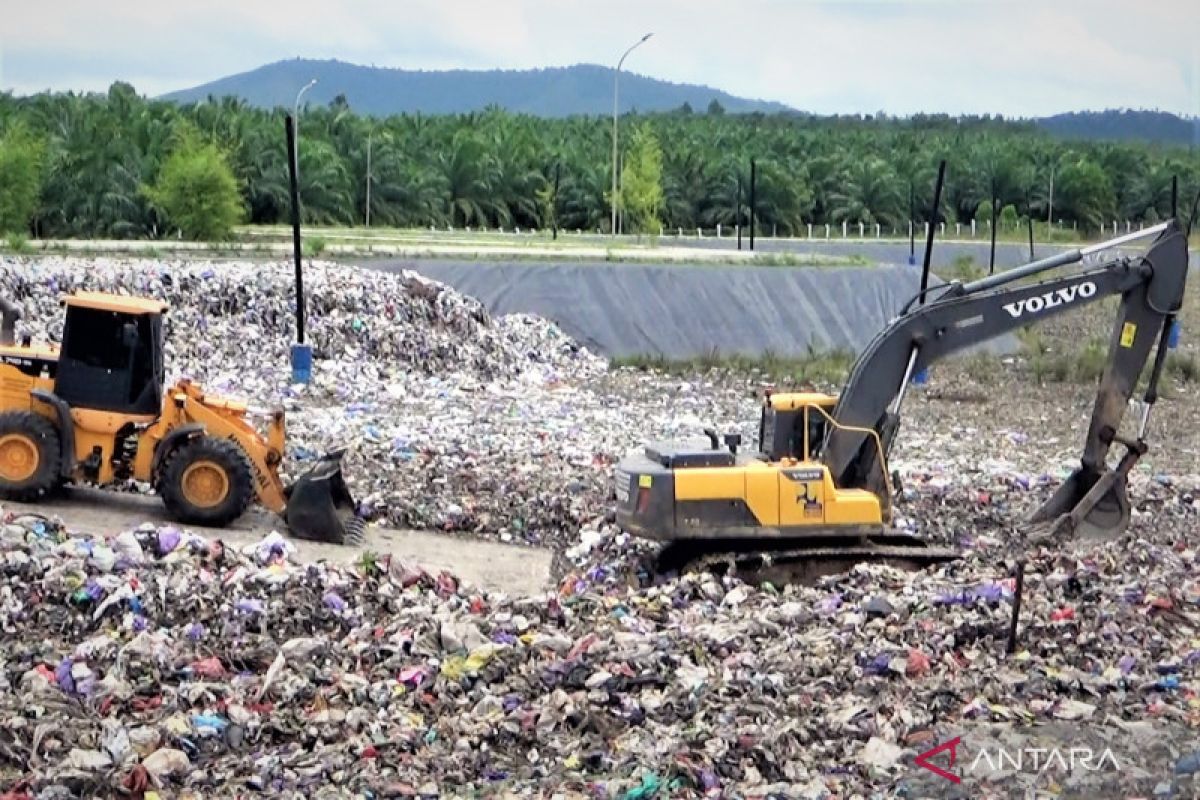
(1019, 58)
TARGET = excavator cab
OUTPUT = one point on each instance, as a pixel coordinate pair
(792, 425)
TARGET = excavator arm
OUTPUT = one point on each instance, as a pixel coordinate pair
(963, 315)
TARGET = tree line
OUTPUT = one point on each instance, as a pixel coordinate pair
(118, 165)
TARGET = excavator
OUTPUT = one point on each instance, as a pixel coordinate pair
(817, 495)
(94, 411)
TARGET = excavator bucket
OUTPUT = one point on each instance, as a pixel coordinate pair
(1090, 505)
(320, 507)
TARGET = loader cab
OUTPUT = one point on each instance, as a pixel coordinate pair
(791, 426)
(112, 354)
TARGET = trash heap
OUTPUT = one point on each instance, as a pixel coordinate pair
(433, 398)
(231, 324)
(157, 663)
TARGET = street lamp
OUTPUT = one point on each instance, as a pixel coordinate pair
(616, 76)
(296, 116)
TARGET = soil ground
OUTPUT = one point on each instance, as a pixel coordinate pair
(515, 570)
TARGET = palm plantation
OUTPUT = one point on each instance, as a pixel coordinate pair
(97, 167)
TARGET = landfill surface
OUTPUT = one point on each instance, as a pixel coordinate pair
(159, 663)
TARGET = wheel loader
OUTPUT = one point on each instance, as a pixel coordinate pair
(816, 495)
(94, 411)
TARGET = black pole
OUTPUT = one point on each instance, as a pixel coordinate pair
(1016, 614)
(1029, 215)
(554, 207)
(912, 224)
(1174, 197)
(289, 124)
(992, 259)
(737, 212)
(1192, 216)
(753, 183)
(937, 204)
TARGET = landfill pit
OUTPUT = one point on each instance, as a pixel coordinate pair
(159, 662)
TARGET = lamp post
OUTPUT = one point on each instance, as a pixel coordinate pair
(616, 77)
(296, 116)
(301, 352)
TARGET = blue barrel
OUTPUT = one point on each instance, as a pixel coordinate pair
(1173, 336)
(301, 363)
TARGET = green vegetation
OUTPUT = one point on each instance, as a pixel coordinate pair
(641, 193)
(1183, 366)
(962, 268)
(196, 191)
(20, 178)
(828, 368)
(493, 169)
(313, 246)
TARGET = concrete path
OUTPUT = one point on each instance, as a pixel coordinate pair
(512, 569)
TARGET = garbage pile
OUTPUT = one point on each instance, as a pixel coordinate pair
(433, 398)
(226, 316)
(158, 663)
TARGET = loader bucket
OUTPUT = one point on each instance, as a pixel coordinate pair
(320, 507)
(1089, 505)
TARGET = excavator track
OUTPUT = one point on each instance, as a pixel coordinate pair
(793, 561)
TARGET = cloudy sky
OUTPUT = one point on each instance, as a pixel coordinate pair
(1015, 57)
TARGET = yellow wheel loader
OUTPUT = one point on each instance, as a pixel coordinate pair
(816, 495)
(93, 410)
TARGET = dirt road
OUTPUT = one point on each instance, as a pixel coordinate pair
(514, 570)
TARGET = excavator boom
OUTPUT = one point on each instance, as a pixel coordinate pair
(1151, 288)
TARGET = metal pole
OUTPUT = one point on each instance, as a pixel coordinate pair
(753, 186)
(1016, 614)
(937, 204)
(369, 178)
(992, 258)
(554, 201)
(1050, 205)
(1174, 196)
(289, 125)
(1029, 216)
(912, 224)
(296, 114)
(737, 210)
(616, 78)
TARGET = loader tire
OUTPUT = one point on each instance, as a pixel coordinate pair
(30, 455)
(207, 481)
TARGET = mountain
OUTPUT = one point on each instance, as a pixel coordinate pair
(1124, 125)
(551, 92)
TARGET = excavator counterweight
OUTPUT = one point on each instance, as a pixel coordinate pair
(818, 490)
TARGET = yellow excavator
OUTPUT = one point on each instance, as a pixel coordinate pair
(816, 496)
(93, 410)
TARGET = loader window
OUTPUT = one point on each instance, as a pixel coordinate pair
(110, 362)
(96, 340)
